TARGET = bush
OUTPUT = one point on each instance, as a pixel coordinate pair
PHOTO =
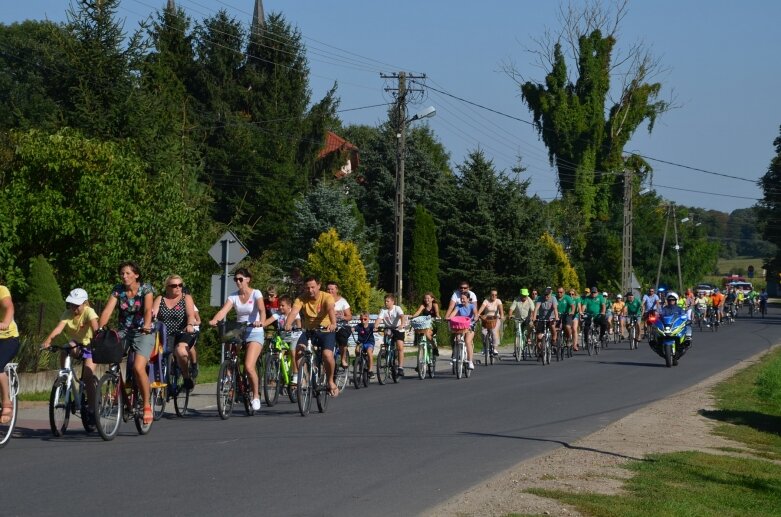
(332, 259)
(43, 304)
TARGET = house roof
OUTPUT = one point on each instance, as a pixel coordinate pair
(333, 143)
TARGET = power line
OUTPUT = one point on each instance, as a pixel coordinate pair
(693, 168)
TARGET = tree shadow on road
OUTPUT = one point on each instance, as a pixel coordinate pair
(560, 442)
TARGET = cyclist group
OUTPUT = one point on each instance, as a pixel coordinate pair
(326, 315)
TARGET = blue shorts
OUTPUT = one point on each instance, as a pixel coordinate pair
(9, 347)
(369, 345)
(254, 335)
(326, 340)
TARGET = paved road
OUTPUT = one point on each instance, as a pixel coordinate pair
(385, 450)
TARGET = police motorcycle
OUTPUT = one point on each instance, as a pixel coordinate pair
(670, 336)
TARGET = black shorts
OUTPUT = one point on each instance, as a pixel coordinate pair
(396, 335)
(343, 334)
(9, 347)
(181, 337)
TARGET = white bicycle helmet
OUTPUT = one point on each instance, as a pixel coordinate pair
(673, 295)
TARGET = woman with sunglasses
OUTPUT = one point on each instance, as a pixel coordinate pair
(79, 322)
(135, 324)
(176, 310)
(250, 308)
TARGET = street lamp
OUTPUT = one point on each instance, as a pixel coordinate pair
(400, 152)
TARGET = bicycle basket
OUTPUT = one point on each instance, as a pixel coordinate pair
(106, 347)
(232, 330)
(421, 322)
(460, 323)
(489, 322)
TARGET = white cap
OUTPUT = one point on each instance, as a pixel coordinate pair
(77, 296)
(619, 296)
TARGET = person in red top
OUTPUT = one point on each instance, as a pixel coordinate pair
(271, 301)
(718, 303)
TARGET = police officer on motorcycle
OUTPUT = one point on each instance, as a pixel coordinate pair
(671, 308)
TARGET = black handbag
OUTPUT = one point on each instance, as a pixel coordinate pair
(106, 347)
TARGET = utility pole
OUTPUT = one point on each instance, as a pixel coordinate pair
(677, 253)
(401, 92)
(661, 255)
(626, 265)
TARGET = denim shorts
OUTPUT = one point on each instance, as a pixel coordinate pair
(254, 334)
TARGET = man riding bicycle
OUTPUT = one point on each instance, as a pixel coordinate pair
(521, 310)
(318, 309)
(545, 314)
(633, 312)
(594, 308)
(566, 308)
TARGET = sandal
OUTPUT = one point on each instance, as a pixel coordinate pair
(148, 415)
(333, 391)
(8, 414)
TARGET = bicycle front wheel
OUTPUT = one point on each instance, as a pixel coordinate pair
(7, 430)
(271, 380)
(322, 393)
(358, 367)
(138, 412)
(517, 347)
(459, 356)
(108, 407)
(382, 366)
(176, 388)
(342, 374)
(421, 366)
(226, 389)
(304, 387)
(60, 405)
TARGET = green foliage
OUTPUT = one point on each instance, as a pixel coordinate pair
(770, 205)
(490, 237)
(43, 302)
(337, 260)
(563, 272)
(328, 205)
(73, 196)
(424, 259)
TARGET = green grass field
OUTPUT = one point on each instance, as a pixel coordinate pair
(740, 265)
(695, 483)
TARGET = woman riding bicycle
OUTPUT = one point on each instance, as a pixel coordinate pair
(466, 308)
(491, 314)
(79, 322)
(177, 311)
(430, 308)
(250, 309)
(9, 346)
(135, 324)
(343, 317)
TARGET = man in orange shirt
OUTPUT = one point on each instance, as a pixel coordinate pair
(718, 303)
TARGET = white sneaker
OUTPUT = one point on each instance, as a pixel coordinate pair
(255, 404)
(471, 365)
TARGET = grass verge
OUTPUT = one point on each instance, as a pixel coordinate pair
(697, 483)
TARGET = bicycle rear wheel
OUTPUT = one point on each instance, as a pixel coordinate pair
(382, 365)
(226, 389)
(108, 407)
(271, 385)
(60, 404)
(304, 387)
(342, 374)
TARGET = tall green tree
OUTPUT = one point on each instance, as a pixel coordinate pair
(491, 237)
(333, 259)
(424, 257)
(584, 135)
(43, 303)
(770, 207)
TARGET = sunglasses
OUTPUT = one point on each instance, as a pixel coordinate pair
(174, 286)
(239, 279)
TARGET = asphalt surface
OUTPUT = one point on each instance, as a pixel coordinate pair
(385, 450)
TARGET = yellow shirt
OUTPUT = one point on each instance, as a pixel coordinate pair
(12, 331)
(314, 312)
(78, 328)
(618, 307)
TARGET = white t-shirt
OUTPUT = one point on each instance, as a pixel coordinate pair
(247, 311)
(457, 296)
(340, 306)
(390, 319)
(196, 328)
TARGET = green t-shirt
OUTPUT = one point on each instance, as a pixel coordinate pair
(565, 304)
(634, 308)
(593, 306)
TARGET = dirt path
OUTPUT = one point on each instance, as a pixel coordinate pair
(594, 463)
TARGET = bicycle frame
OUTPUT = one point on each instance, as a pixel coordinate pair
(7, 430)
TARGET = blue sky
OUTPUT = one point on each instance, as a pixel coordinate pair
(722, 58)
